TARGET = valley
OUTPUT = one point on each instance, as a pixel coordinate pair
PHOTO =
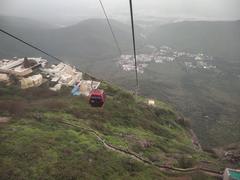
(180, 67)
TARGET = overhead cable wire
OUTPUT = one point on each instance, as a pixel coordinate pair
(36, 48)
(134, 46)
(32, 46)
(110, 27)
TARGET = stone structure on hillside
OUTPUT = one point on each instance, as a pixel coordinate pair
(32, 81)
(33, 72)
(21, 67)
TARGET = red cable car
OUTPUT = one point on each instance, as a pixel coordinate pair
(97, 98)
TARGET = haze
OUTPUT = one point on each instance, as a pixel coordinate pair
(57, 11)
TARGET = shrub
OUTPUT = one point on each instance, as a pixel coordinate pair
(38, 93)
(154, 158)
(161, 112)
(131, 165)
(14, 108)
(99, 126)
(110, 90)
(8, 90)
(185, 162)
(211, 152)
(124, 96)
(55, 105)
(80, 113)
(76, 113)
(183, 122)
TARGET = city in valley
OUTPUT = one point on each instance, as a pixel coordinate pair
(166, 54)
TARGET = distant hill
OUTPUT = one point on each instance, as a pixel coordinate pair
(89, 39)
(24, 28)
(92, 40)
(220, 39)
(23, 24)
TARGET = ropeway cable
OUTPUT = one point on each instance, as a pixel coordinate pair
(134, 47)
(110, 27)
(38, 49)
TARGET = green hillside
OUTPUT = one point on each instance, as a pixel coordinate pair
(50, 136)
(220, 39)
(89, 40)
(209, 99)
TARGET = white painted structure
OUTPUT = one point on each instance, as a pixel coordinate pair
(151, 102)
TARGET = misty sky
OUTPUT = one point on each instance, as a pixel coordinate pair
(66, 9)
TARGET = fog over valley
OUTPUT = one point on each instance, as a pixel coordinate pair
(64, 12)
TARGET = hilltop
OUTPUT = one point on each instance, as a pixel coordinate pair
(52, 135)
(88, 40)
(219, 39)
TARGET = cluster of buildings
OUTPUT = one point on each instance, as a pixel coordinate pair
(20, 67)
(127, 62)
(33, 72)
(200, 61)
(166, 54)
(23, 71)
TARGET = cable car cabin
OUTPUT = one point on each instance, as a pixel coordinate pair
(97, 98)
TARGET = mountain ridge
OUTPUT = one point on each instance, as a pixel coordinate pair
(89, 39)
(220, 38)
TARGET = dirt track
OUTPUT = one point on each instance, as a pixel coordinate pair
(147, 161)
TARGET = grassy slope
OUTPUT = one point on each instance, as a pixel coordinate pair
(197, 94)
(36, 145)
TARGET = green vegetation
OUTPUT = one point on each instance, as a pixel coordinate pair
(219, 39)
(209, 99)
(35, 144)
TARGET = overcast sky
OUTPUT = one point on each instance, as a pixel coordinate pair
(66, 9)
